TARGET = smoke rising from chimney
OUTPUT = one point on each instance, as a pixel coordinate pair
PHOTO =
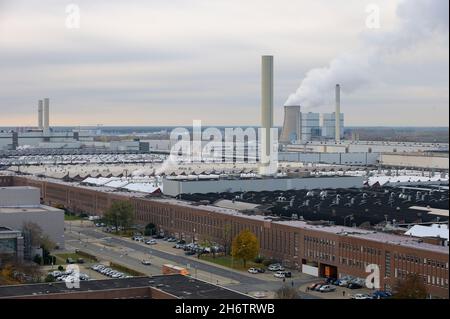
(418, 21)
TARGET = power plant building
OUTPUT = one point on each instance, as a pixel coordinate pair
(310, 126)
(301, 127)
(328, 125)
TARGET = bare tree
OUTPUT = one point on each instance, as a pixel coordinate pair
(286, 292)
(412, 287)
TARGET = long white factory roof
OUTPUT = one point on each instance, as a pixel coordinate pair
(435, 230)
(401, 179)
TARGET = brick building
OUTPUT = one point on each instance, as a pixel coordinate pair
(327, 250)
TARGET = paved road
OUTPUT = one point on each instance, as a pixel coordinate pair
(246, 283)
(181, 260)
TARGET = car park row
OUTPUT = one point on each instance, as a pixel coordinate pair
(109, 271)
(68, 276)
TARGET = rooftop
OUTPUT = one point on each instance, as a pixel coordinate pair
(183, 287)
(355, 232)
(34, 209)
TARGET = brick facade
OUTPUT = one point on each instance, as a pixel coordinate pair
(346, 255)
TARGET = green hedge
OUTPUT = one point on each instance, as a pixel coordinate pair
(125, 269)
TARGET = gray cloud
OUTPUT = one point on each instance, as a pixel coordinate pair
(167, 63)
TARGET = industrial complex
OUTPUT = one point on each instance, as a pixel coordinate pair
(324, 206)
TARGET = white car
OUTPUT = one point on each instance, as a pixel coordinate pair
(276, 267)
(253, 270)
(327, 288)
(146, 262)
(279, 274)
(361, 296)
(151, 242)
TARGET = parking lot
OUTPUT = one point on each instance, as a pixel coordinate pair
(337, 292)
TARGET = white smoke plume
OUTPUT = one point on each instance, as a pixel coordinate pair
(418, 21)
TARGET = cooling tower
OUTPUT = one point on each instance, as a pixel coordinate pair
(291, 125)
(46, 114)
(338, 114)
(40, 115)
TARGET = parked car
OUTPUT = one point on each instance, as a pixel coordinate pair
(343, 283)
(318, 286)
(279, 274)
(80, 261)
(260, 270)
(381, 294)
(70, 260)
(172, 240)
(146, 262)
(181, 242)
(354, 286)
(313, 286)
(84, 276)
(276, 267)
(361, 296)
(327, 288)
(287, 274)
(253, 271)
(151, 242)
(189, 253)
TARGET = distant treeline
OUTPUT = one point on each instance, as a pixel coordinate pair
(400, 134)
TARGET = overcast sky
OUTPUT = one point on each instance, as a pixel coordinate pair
(169, 62)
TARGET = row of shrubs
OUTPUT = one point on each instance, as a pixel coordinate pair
(265, 261)
(86, 255)
(125, 269)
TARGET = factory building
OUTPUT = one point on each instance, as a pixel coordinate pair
(42, 133)
(174, 187)
(328, 125)
(301, 127)
(154, 287)
(337, 250)
(310, 126)
(11, 243)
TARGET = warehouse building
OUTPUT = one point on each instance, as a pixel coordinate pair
(336, 250)
(11, 244)
(19, 205)
(156, 287)
(174, 187)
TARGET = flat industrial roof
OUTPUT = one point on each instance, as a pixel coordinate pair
(182, 287)
(338, 230)
(28, 209)
(376, 236)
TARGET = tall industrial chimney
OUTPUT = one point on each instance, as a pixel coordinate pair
(40, 115)
(46, 114)
(266, 114)
(267, 99)
(337, 114)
